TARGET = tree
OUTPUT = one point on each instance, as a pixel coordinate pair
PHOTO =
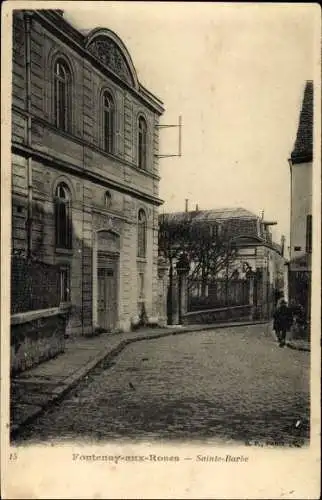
(208, 245)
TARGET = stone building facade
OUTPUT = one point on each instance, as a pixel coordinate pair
(85, 179)
(301, 163)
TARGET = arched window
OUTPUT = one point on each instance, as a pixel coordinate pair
(108, 122)
(107, 199)
(141, 234)
(63, 219)
(62, 105)
(142, 142)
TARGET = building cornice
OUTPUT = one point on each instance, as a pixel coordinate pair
(83, 173)
(84, 143)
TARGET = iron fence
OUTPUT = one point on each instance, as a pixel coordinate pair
(34, 285)
(216, 294)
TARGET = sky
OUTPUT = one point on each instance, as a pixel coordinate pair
(236, 74)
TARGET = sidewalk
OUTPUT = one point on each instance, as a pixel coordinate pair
(36, 389)
(294, 343)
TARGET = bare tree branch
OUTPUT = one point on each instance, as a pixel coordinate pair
(208, 245)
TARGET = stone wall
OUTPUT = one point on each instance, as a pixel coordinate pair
(36, 336)
(224, 314)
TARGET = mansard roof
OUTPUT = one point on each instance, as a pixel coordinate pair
(303, 147)
(246, 226)
(213, 215)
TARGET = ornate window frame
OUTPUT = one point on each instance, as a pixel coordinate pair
(108, 114)
(107, 200)
(63, 216)
(142, 142)
(62, 87)
(142, 234)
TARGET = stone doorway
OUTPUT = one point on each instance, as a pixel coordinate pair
(106, 280)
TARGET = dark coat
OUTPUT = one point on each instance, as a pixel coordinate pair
(283, 318)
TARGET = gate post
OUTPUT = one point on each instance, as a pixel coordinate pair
(183, 268)
(251, 294)
(163, 269)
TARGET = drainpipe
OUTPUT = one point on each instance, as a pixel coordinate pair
(27, 20)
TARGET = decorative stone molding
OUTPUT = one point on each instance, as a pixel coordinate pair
(110, 55)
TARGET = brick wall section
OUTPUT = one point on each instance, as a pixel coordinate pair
(88, 104)
(156, 150)
(18, 62)
(87, 257)
(37, 69)
(155, 280)
(128, 128)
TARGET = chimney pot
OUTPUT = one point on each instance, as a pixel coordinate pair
(186, 204)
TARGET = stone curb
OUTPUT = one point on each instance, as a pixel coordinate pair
(296, 347)
(107, 355)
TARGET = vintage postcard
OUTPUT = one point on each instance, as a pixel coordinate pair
(160, 250)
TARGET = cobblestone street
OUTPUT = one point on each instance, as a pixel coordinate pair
(226, 384)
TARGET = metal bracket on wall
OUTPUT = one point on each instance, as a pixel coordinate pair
(179, 126)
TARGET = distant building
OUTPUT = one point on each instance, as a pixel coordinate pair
(85, 179)
(301, 205)
(255, 250)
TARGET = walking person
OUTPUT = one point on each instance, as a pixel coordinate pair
(283, 319)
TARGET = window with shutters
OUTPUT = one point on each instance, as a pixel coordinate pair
(141, 234)
(63, 220)
(142, 143)
(309, 233)
(62, 95)
(108, 122)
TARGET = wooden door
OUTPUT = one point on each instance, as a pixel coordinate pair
(106, 303)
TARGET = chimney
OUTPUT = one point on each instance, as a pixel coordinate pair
(197, 208)
(186, 205)
(283, 244)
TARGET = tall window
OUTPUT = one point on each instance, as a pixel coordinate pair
(142, 143)
(107, 199)
(309, 233)
(63, 217)
(108, 122)
(141, 234)
(62, 109)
